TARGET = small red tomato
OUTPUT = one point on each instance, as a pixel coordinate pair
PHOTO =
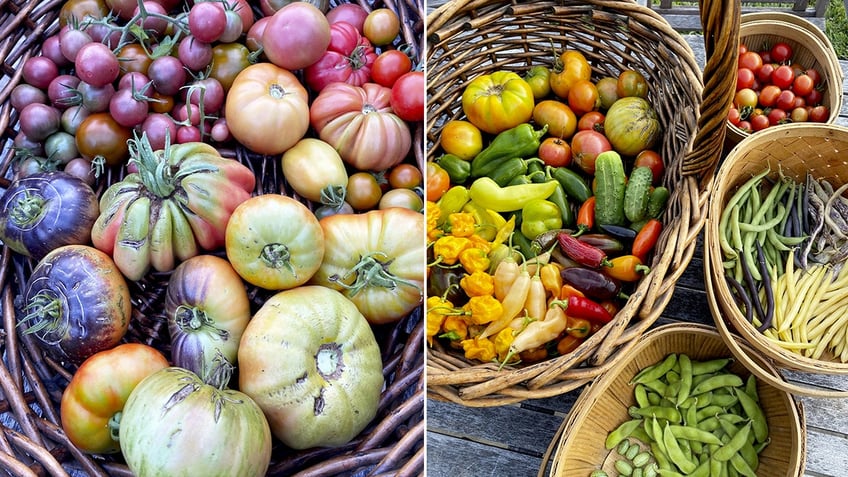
(751, 60)
(803, 84)
(733, 116)
(776, 116)
(653, 160)
(781, 52)
(407, 99)
(819, 114)
(389, 66)
(768, 95)
(745, 78)
(785, 100)
(759, 122)
(764, 75)
(783, 76)
(555, 152)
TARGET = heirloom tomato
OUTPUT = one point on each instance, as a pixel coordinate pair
(358, 121)
(376, 260)
(174, 423)
(178, 202)
(329, 389)
(274, 242)
(75, 11)
(76, 302)
(571, 67)
(407, 99)
(348, 59)
(631, 126)
(267, 109)
(296, 36)
(381, 26)
(44, 211)
(207, 309)
(228, 60)
(94, 398)
(631, 83)
(539, 79)
(315, 171)
(498, 101)
(461, 138)
(100, 135)
(557, 116)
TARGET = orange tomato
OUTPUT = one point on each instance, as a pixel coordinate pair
(583, 97)
(462, 139)
(560, 119)
(572, 67)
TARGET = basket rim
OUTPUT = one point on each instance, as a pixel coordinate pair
(584, 404)
(713, 264)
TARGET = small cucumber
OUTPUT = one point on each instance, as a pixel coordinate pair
(609, 189)
(636, 193)
(657, 202)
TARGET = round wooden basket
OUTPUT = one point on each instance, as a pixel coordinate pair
(811, 47)
(579, 449)
(793, 150)
(469, 38)
(31, 439)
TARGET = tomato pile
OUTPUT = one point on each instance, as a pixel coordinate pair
(773, 89)
(544, 207)
(147, 95)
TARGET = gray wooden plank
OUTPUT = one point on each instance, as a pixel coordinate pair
(827, 455)
(454, 457)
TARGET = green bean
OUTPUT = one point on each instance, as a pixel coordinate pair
(737, 197)
(672, 391)
(731, 472)
(735, 443)
(669, 473)
(710, 366)
(732, 418)
(675, 453)
(673, 376)
(640, 434)
(760, 446)
(685, 378)
(738, 463)
(755, 414)
(703, 400)
(621, 433)
(693, 434)
(655, 371)
(765, 226)
(718, 381)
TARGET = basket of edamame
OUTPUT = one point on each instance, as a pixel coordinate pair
(680, 403)
(775, 244)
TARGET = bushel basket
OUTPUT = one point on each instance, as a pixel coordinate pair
(471, 38)
(32, 441)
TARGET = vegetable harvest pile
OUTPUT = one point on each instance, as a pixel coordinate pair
(274, 289)
(784, 243)
(543, 210)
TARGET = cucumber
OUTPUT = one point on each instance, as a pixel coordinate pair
(636, 193)
(609, 189)
(657, 202)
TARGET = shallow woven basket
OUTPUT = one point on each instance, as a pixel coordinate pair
(603, 406)
(811, 48)
(794, 150)
(32, 384)
(469, 38)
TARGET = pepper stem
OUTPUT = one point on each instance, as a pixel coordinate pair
(369, 271)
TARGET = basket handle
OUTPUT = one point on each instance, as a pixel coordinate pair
(732, 342)
(720, 20)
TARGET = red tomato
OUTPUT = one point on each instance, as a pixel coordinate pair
(764, 75)
(781, 52)
(814, 74)
(745, 78)
(751, 60)
(768, 95)
(408, 96)
(783, 76)
(785, 100)
(776, 116)
(819, 114)
(733, 116)
(803, 84)
(745, 125)
(389, 66)
(759, 122)
(653, 160)
(555, 152)
(593, 120)
(585, 147)
(438, 181)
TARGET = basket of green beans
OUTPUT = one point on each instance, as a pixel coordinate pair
(776, 241)
(681, 405)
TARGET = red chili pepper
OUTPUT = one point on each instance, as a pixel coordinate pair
(586, 215)
(581, 252)
(646, 239)
(581, 307)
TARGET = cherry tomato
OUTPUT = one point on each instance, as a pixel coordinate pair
(751, 60)
(734, 116)
(407, 99)
(814, 74)
(632, 83)
(745, 97)
(363, 191)
(799, 115)
(389, 66)
(438, 181)
(759, 122)
(785, 100)
(764, 75)
(405, 176)
(768, 95)
(783, 76)
(776, 116)
(381, 26)
(745, 78)
(781, 52)
(803, 84)
(819, 114)
(653, 160)
(100, 135)
(560, 119)
(462, 139)
(814, 98)
(228, 60)
(745, 125)
(132, 57)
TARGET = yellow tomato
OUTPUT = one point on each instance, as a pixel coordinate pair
(572, 67)
(498, 101)
(462, 139)
(560, 119)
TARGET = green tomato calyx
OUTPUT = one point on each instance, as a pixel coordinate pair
(28, 211)
(192, 319)
(370, 271)
(45, 313)
(277, 255)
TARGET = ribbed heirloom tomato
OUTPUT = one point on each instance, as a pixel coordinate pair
(498, 101)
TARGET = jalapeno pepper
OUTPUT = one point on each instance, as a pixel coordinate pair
(520, 141)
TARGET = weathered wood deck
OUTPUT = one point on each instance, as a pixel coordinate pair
(512, 440)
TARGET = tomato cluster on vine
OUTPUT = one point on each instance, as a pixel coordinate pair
(772, 88)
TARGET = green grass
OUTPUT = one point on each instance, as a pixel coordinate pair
(836, 28)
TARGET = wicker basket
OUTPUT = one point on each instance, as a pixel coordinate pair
(603, 406)
(787, 149)
(468, 38)
(31, 437)
(810, 46)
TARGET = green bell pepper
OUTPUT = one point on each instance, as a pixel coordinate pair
(539, 216)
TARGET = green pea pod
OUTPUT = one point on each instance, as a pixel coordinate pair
(676, 454)
(458, 169)
(487, 193)
(656, 371)
(755, 414)
(520, 141)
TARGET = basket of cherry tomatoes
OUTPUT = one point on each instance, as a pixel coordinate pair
(788, 73)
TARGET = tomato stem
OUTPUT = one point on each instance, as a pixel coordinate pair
(28, 210)
(333, 195)
(192, 318)
(44, 312)
(154, 171)
(277, 255)
(370, 271)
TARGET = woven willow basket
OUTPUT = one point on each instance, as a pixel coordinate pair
(811, 48)
(32, 383)
(794, 149)
(603, 406)
(469, 38)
